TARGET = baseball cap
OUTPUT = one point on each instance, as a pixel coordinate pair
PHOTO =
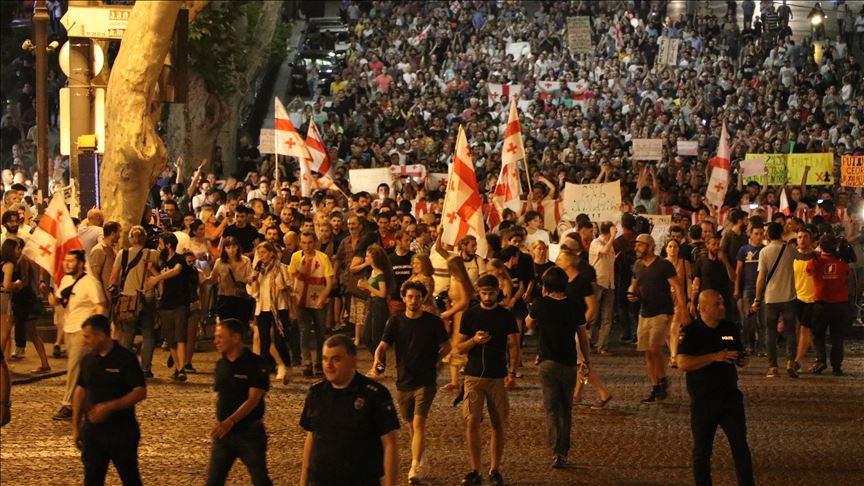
(645, 238)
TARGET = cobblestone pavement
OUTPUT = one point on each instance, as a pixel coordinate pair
(805, 431)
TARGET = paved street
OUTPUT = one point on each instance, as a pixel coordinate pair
(805, 431)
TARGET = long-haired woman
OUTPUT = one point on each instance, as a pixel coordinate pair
(268, 282)
(231, 272)
(25, 303)
(8, 285)
(422, 271)
(682, 273)
(460, 294)
(379, 284)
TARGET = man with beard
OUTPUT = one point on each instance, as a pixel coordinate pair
(652, 284)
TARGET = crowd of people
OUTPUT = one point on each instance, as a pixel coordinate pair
(315, 278)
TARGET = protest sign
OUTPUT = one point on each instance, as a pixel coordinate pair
(668, 53)
(369, 179)
(821, 168)
(647, 148)
(752, 167)
(852, 171)
(518, 50)
(687, 147)
(601, 202)
(775, 169)
(267, 141)
(660, 229)
(579, 35)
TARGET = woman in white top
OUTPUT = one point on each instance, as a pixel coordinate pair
(267, 287)
(534, 226)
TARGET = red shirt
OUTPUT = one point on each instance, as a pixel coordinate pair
(829, 278)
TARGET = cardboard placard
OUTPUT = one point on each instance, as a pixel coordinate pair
(775, 169)
(852, 171)
(821, 168)
(579, 35)
(369, 179)
(647, 148)
(752, 167)
(688, 147)
(601, 202)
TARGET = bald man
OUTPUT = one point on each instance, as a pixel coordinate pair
(709, 351)
(90, 232)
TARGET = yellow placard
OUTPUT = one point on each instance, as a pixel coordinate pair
(775, 169)
(852, 171)
(821, 168)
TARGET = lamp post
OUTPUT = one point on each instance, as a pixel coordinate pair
(40, 31)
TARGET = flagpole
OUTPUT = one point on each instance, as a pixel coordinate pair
(275, 155)
(525, 160)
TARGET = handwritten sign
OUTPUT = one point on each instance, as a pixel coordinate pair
(668, 52)
(752, 167)
(579, 35)
(821, 168)
(601, 202)
(518, 50)
(852, 171)
(369, 179)
(775, 169)
(688, 147)
(660, 224)
(647, 148)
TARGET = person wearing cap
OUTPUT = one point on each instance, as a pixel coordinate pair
(652, 284)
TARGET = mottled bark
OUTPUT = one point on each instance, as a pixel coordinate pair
(134, 154)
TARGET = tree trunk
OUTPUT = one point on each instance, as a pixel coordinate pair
(194, 125)
(134, 154)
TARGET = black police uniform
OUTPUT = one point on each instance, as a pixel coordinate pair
(715, 399)
(247, 439)
(106, 378)
(347, 425)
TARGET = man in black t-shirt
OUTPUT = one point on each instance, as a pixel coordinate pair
(174, 303)
(350, 422)
(653, 281)
(421, 342)
(709, 350)
(400, 260)
(711, 273)
(245, 233)
(241, 382)
(559, 322)
(109, 385)
(488, 335)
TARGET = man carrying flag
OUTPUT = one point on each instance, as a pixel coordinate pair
(720, 167)
(462, 214)
(508, 189)
(55, 247)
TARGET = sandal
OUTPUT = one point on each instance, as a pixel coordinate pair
(602, 403)
(40, 370)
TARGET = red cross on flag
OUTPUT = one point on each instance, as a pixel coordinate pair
(508, 189)
(502, 92)
(720, 165)
(53, 238)
(287, 140)
(549, 86)
(414, 171)
(462, 213)
(320, 160)
(420, 37)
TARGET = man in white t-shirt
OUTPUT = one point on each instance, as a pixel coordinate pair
(601, 256)
(79, 296)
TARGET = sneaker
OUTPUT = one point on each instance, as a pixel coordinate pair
(58, 353)
(17, 354)
(282, 374)
(178, 376)
(495, 478)
(472, 479)
(818, 367)
(792, 368)
(772, 373)
(662, 392)
(148, 375)
(837, 372)
(189, 369)
(656, 395)
(65, 413)
(307, 371)
(559, 462)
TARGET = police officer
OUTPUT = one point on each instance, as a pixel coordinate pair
(351, 424)
(241, 382)
(109, 385)
(709, 350)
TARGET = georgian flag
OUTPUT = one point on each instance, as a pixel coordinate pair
(718, 183)
(417, 39)
(414, 171)
(784, 202)
(288, 140)
(320, 162)
(508, 189)
(462, 213)
(549, 86)
(502, 92)
(53, 238)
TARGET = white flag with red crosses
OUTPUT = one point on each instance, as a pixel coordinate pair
(53, 238)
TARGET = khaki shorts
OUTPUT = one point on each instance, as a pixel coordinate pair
(652, 331)
(416, 402)
(490, 390)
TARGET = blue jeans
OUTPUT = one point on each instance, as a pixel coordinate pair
(558, 381)
(311, 322)
(247, 443)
